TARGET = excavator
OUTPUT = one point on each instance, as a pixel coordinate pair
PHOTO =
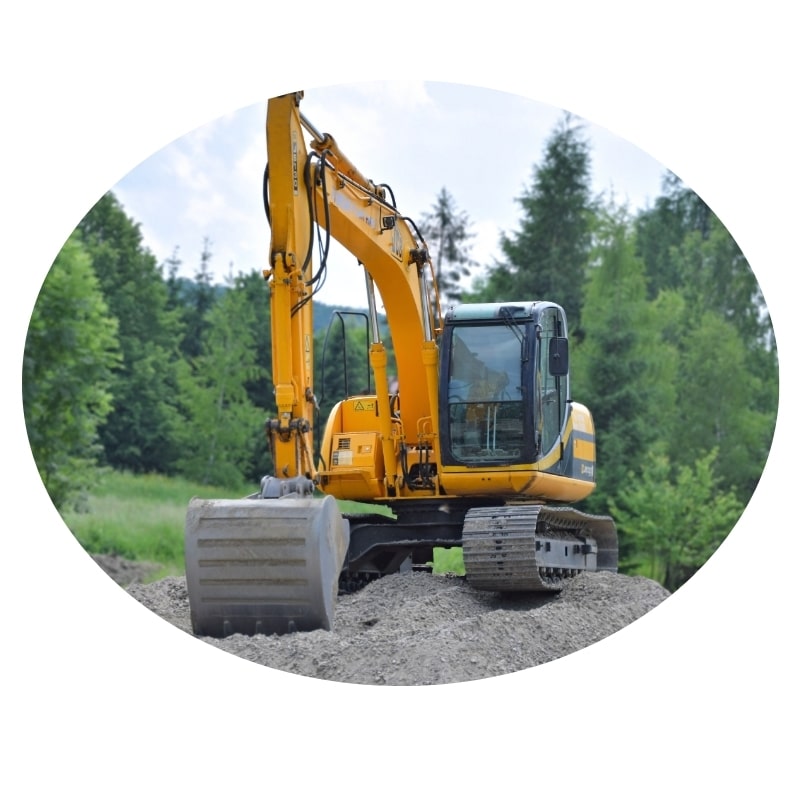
(479, 445)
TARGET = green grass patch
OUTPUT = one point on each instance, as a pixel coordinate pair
(448, 560)
(356, 507)
(141, 517)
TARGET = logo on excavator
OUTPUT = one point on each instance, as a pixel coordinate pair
(295, 181)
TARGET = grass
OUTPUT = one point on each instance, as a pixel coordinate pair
(448, 560)
(141, 518)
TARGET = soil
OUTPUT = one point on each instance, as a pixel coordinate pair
(416, 628)
(124, 571)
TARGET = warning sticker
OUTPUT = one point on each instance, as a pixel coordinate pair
(342, 458)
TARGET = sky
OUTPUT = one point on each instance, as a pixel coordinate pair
(419, 137)
(696, 693)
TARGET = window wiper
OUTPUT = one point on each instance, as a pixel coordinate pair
(507, 314)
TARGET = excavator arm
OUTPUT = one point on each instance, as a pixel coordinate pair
(321, 187)
(290, 280)
(271, 562)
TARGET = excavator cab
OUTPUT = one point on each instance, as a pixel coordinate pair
(504, 384)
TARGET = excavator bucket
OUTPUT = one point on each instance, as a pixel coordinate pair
(263, 566)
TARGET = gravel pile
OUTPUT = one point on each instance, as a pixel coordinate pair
(416, 628)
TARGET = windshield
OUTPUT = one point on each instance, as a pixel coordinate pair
(485, 393)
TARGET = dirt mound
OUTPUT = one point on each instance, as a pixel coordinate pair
(416, 628)
(124, 571)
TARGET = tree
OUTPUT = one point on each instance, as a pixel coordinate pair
(685, 246)
(139, 433)
(200, 298)
(546, 258)
(341, 360)
(717, 405)
(259, 385)
(169, 271)
(447, 232)
(715, 276)
(71, 350)
(223, 422)
(662, 229)
(728, 374)
(674, 518)
(624, 368)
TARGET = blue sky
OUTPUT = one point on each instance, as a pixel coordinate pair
(481, 144)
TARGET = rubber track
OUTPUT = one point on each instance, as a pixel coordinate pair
(533, 548)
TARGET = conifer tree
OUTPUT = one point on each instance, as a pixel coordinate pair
(546, 258)
(139, 433)
(447, 232)
(623, 369)
(200, 298)
(222, 421)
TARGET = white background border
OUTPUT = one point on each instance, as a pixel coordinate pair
(104, 699)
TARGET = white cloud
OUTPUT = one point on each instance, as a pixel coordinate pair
(418, 137)
(486, 244)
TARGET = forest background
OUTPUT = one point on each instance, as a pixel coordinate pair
(129, 367)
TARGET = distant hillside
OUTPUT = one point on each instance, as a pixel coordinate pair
(322, 312)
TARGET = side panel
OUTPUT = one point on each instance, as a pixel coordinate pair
(352, 466)
(514, 483)
(579, 449)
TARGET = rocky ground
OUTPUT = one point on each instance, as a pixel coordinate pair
(418, 628)
(124, 571)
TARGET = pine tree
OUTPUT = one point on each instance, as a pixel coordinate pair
(661, 230)
(546, 258)
(447, 233)
(139, 433)
(200, 298)
(169, 272)
(623, 369)
(728, 370)
(222, 421)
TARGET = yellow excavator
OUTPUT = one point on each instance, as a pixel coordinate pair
(479, 446)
